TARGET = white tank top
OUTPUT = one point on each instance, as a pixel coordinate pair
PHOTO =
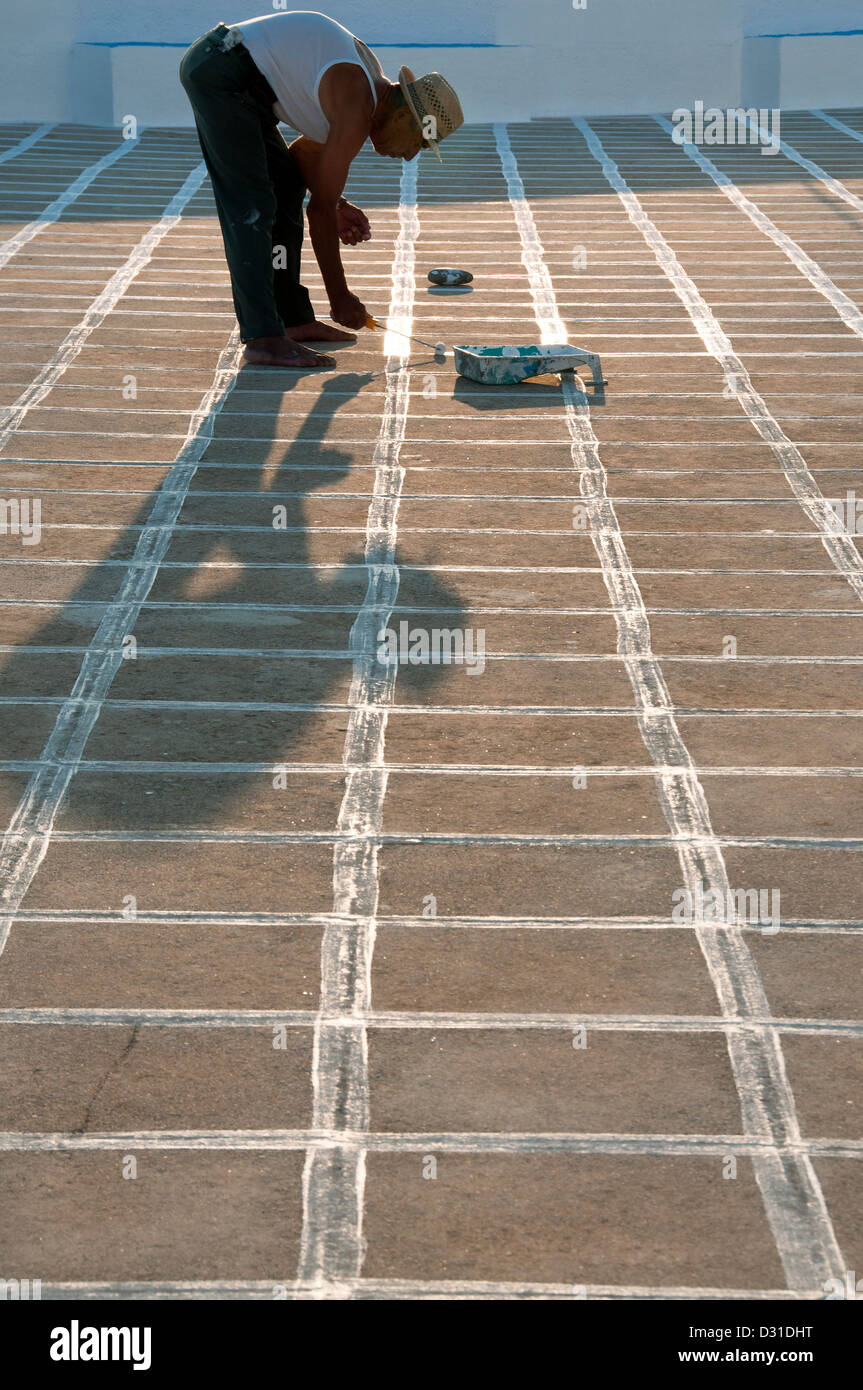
(293, 50)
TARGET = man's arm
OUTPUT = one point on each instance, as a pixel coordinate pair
(353, 224)
(349, 115)
(306, 153)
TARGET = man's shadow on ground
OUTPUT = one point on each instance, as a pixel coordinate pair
(216, 608)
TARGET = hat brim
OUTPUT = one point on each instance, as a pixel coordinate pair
(406, 77)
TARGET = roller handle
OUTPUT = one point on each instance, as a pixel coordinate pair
(436, 348)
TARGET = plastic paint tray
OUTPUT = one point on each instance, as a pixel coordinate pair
(504, 366)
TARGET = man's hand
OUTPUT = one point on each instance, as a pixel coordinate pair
(353, 224)
(349, 310)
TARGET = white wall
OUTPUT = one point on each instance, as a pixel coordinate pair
(34, 59)
(166, 21)
(534, 57)
(801, 16)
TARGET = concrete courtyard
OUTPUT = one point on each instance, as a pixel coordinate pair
(327, 978)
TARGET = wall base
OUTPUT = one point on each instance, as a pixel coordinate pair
(798, 72)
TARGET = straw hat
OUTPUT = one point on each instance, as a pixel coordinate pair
(432, 96)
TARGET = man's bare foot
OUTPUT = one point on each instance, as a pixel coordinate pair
(316, 332)
(283, 352)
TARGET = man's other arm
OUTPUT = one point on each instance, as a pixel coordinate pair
(349, 109)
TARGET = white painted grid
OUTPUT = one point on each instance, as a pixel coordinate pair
(794, 1204)
(344, 1238)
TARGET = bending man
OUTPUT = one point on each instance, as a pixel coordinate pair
(305, 69)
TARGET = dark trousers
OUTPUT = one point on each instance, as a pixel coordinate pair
(256, 181)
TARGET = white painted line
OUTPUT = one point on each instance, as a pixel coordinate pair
(670, 533)
(426, 1021)
(699, 356)
(417, 837)
(794, 1204)
(447, 1291)
(26, 842)
(245, 608)
(214, 606)
(425, 710)
(529, 416)
(331, 1248)
(833, 185)
(26, 142)
(236, 440)
(355, 1143)
(838, 125)
(11, 416)
(845, 307)
(305, 654)
(361, 468)
(170, 767)
(157, 312)
(76, 918)
(55, 209)
(838, 544)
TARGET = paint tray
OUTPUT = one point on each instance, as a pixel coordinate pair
(504, 366)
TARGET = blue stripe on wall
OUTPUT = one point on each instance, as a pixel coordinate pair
(151, 43)
(809, 34)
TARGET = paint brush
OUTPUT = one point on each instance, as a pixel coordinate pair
(439, 349)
